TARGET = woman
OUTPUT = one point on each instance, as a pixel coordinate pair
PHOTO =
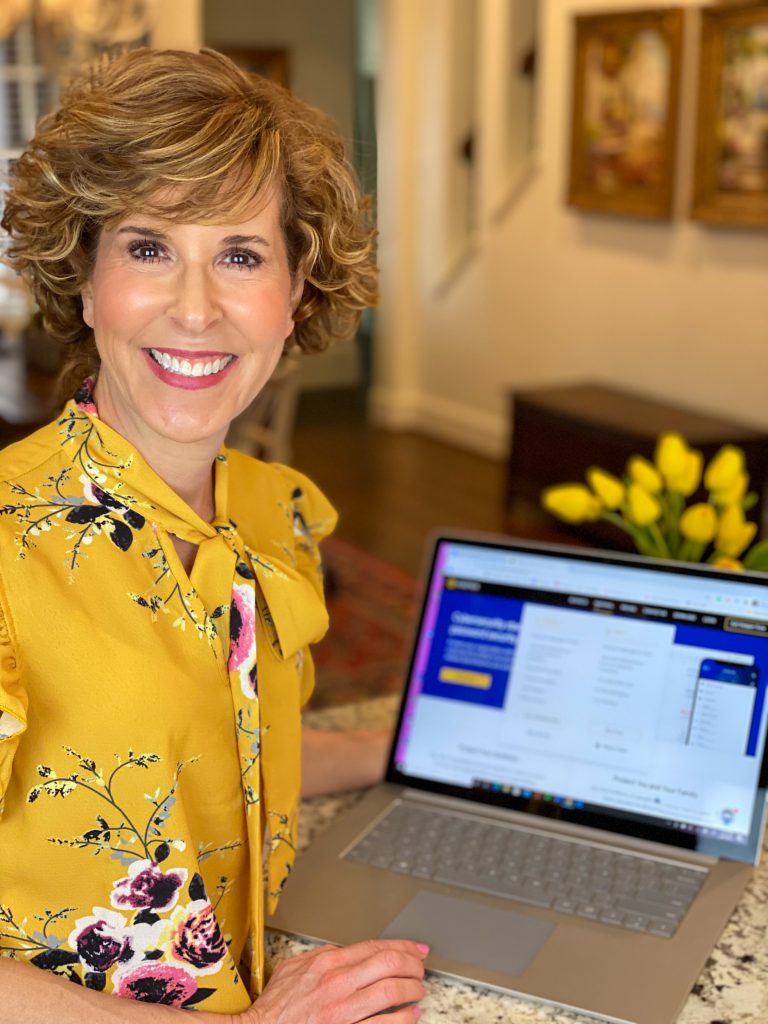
(179, 223)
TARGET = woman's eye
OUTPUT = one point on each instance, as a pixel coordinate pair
(145, 251)
(243, 259)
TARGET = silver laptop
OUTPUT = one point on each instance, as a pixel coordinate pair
(575, 794)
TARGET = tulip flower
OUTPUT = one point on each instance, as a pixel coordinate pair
(574, 503)
(733, 493)
(690, 478)
(699, 523)
(643, 472)
(723, 562)
(724, 469)
(643, 508)
(734, 533)
(608, 488)
(650, 504)
(671, 455)
(678, 464)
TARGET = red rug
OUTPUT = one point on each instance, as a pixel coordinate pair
(372, 608)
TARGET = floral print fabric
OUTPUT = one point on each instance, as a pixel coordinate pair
(149, 720)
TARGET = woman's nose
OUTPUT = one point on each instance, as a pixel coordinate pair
(194, 303)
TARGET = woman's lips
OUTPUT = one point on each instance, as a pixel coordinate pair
(187, 370)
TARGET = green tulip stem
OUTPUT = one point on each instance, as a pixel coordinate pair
(671, 505)
(661, 544)
(616, 520)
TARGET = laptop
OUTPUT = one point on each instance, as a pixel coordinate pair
(575, 794)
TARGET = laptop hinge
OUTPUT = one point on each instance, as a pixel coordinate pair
(578, 833)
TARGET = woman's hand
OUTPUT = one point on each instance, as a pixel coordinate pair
(343, 986)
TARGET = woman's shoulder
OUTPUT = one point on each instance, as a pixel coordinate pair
(31, 455)
(271, 493)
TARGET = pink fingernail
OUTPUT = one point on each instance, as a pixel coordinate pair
(422, 948)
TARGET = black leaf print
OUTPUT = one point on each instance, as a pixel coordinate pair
(219, 611)
(121, 535)
(162, 852)
(134, 519)
(146, 917)
(244, 571)
(85, 513)
(51, 959)
(153, 954)
(96, 980)
(106, 499)
(197, 887)
(197, 997)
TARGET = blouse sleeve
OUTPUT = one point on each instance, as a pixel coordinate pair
(13, 702)
(313, 519)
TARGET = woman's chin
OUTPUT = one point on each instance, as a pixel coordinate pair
(191, 429)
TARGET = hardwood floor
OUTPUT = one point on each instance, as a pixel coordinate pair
(392, 489)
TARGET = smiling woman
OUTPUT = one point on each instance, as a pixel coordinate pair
(180, 223)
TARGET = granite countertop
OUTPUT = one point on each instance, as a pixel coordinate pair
(732, 988)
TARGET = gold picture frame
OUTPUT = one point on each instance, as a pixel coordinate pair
(731, 171)
(626, 87)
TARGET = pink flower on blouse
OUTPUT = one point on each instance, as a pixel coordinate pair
(156, 982)
(242, 638)
(148, 888)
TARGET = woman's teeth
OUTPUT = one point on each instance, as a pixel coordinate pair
(185, 368)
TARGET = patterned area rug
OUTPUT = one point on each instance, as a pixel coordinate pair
(372, 607)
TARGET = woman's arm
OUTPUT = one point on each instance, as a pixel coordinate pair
(325, 985)
(334, 761)
(30, 994)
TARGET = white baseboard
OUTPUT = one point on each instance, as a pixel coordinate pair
(445, 420)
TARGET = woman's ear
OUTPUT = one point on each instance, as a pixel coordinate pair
(86, 295)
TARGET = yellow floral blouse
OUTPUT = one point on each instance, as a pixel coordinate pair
(149, 721)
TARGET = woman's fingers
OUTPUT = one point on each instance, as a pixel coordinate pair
(384, 963)
(332, 985)
(349, 956)
(374, 999)
(407, 1015)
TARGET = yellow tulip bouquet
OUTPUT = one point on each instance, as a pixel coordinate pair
(650, 504)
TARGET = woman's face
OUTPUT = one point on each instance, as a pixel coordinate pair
(189, 321)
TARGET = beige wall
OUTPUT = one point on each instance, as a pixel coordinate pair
(545, 294)
(318, 35)
(178, 25)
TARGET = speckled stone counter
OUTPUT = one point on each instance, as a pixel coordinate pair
(732, 989)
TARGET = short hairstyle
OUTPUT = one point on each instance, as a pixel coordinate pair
(192, 138)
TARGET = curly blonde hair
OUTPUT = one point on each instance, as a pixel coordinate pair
(191, 138)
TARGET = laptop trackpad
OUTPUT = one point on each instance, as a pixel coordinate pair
(501, 940)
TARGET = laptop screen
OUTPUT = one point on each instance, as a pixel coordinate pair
(607, 691)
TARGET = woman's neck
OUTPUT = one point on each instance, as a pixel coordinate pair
(187, 467)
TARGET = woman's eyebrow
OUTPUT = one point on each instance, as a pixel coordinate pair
(244, 240)
(134, 229)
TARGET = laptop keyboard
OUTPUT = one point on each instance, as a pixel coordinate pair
(594, 882)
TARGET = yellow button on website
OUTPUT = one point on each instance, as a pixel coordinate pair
(459, 675)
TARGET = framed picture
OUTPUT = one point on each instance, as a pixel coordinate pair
(272, 64)
(626, 85)
(731, 175)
